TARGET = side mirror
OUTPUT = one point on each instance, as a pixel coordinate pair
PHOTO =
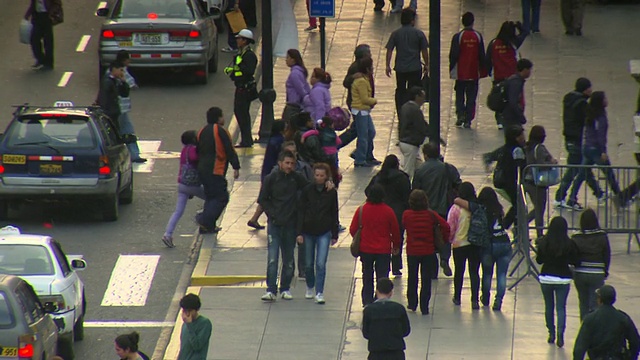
(102, 12)
(50, 307)
(78, 264)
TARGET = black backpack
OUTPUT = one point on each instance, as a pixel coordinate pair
(479, 232)
(497, 98)
(499, 173)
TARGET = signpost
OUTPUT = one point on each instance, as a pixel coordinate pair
(322, 9)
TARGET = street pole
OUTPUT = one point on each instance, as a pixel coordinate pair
(434, 71)
(323, 44)
(267, 94)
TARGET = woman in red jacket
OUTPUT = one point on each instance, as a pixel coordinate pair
(420, 224)
(379, 238)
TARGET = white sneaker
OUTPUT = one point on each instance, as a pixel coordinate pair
(309, 293)
(500, 127)
(319, 298)
(559, 204)
(268, 296)
(287, 295)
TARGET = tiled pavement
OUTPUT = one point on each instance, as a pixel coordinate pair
(245, 328)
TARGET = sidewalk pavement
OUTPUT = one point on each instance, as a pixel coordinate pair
(246, 328)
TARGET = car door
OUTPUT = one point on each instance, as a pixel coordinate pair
(206, 25)
(116, 151)
(41, 326)
(67, 280)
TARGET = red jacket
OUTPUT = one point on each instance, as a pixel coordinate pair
(380, 229)
(420, 227)
(502, 58)
(466, 56)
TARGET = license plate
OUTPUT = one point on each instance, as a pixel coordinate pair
(8, 351)
(151, 39)
(14, 159)
(50, 169)
(125, 43)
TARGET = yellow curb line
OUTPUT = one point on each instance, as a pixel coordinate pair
(219, 280)
(174, 344)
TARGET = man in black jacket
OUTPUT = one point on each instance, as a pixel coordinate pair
(574, 113)
(513, 114)
(113, 86)
(607, 333)
(215, 152)
(385, 324)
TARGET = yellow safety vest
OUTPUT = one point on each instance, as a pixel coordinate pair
(236, 64)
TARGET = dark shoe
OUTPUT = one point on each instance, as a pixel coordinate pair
(377, 8)
(374, 161)
(412, 308)
(341, 228)
(560, 341)
(397, 273)
(255, 225)
(455, 301)
(444, 264)
(475, 305)
(206, 230)
(365, 164)
(139, 160)
(425, 312)
(239, 146)
(578, 32)
(310, 28)
(353, 155)
(484, 300)
(459, 123)
(552, 338)
(568, 32)
(467, 125)
(497, 305)
(37, 66)
(168, 241)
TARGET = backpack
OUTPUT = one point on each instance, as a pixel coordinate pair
(479, 232)
(341, 118)
(499, 173)
(497, 98)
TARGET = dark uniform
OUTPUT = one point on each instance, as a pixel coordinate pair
(607, 334)
(385, 324)
(241, 72)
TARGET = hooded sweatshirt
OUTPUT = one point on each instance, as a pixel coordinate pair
(297, 85)
(318, 102)
(596, 135)
(573, 116)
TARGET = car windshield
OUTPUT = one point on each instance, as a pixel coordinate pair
(55, 132)
(5, 315)
(153, 9)
(24, 260)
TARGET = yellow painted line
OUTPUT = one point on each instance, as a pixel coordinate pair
(174, 344)
(224, 280)
(203, 263)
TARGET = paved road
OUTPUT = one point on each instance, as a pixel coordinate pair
(162, 109)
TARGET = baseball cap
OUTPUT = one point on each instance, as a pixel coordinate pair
(246, 33)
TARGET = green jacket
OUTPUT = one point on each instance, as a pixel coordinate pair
(194, 339)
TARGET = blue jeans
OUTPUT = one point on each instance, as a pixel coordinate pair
(366, 132)
(592, 156)
(466, 96)
(499, 254)
(184, 192)
(216, 198)
(317, 250)
(282, 239)
(586, 284)
(531, 15)
(400, 4)
(126, 127)
(555, 296)
(574, 157)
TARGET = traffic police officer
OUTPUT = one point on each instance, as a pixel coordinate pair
(607, 333)
(241, 71)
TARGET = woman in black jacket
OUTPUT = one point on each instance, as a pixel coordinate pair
(397, 188)
(594, 254)
(555, 252)
(317, 228)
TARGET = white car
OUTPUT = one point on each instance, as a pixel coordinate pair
(40, 261)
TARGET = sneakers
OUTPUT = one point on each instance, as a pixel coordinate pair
(573, 205)
(168, 241)
(467, 125)
(227, 49)
(444, 264)
(286, 295)
(559, 204)
(310, 28)
(319, 298)
(374, 161)
(269, 296)
(37, 66)
(309, 293)
(500, 126)
(139, 160)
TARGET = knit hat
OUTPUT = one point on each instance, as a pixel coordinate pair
(582, 84)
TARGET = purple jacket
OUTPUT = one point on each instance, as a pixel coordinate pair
(596, 135)
(297, 85)
(188, 152)
(318, 102)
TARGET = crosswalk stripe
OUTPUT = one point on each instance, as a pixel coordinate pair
(147, 148)
(130, 280)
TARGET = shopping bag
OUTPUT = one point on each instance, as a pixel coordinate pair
(236, 20)
(25, 31)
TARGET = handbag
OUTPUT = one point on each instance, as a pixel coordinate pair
(426, 85)
(25, 31)
(355, 242)
(547, 176)
(438, 239)
(56, 14)
(189, 173)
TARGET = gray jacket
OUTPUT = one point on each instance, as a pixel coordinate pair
(513, 114)
(439, 180)
(413, 129)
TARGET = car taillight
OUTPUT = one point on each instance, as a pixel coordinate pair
(1, 169)
(25, 351)
(56, 300)
(103, 166)
(194, 34)
(108, 34)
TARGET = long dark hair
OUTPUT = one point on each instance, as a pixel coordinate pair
(589, 220)
(489, 199)
(596, 107)
(466, 191)
(557, 237)
(537, 135)
(389, 164)
(507, 33)
(297, 58)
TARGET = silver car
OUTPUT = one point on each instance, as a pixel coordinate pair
(161, 33)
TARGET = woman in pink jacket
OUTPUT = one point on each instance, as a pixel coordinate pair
(318, 102)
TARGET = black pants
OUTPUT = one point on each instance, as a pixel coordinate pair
(404, 81)
(248, 8)
(241, 106)
(396, 260)
(42, 33)
(538, 195)
(386, 355)
(379, 262)
(461, 256)
(510, 218)
(424, 263)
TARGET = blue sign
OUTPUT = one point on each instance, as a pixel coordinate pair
(322, 8)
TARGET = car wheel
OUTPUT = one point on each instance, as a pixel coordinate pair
(110, 210)
(78, 329)
(213, 62)
(126, 196)
(4, 210)
(202, 74)
(65, 347)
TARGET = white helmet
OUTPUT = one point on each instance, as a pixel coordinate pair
(247, 34)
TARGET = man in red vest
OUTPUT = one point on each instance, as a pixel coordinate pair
(466, 66)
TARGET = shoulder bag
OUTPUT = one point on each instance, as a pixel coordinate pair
(355, 242)
(438, 240)
(189, 173)
(546, 176)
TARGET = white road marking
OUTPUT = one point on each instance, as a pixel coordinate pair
(65, 79)
(147, 150)
(102, 5)
(130, 280)
(83, 43)
(127, 324)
